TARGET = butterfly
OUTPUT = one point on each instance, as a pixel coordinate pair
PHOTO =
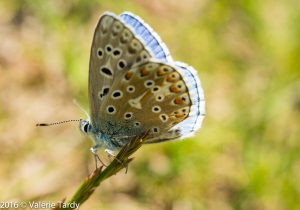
(134, 86)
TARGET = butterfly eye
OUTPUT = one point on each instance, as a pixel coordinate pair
(85, 128)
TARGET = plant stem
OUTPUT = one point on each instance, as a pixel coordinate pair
(88, 186)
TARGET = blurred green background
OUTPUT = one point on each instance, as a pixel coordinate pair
(247, 154)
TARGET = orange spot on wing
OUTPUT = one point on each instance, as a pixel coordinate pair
(128, 75)
(160, 72)
(179, 115)
(178, 101)
(173, 77)
(174, 89)
(163, 70)
(144, 72)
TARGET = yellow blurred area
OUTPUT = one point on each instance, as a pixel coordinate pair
(247, 153)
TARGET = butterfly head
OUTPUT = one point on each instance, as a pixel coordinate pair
(85, 126)
(100, 139)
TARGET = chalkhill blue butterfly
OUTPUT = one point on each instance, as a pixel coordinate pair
(134, 86)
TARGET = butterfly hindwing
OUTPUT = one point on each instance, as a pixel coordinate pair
(197, 112)
(150, 96)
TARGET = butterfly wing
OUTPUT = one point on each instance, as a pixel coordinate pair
(193, 121)
(149, 37)
(160, 51)
(115, 49)
(197, 111)
(153, 96)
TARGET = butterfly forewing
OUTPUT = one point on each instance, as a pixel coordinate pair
(149, 37)
(114, 50)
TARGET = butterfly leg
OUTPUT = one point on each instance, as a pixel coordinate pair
(94, 150)
(110, 153)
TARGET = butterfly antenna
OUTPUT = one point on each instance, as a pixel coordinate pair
(56, 123)
(80, 107)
